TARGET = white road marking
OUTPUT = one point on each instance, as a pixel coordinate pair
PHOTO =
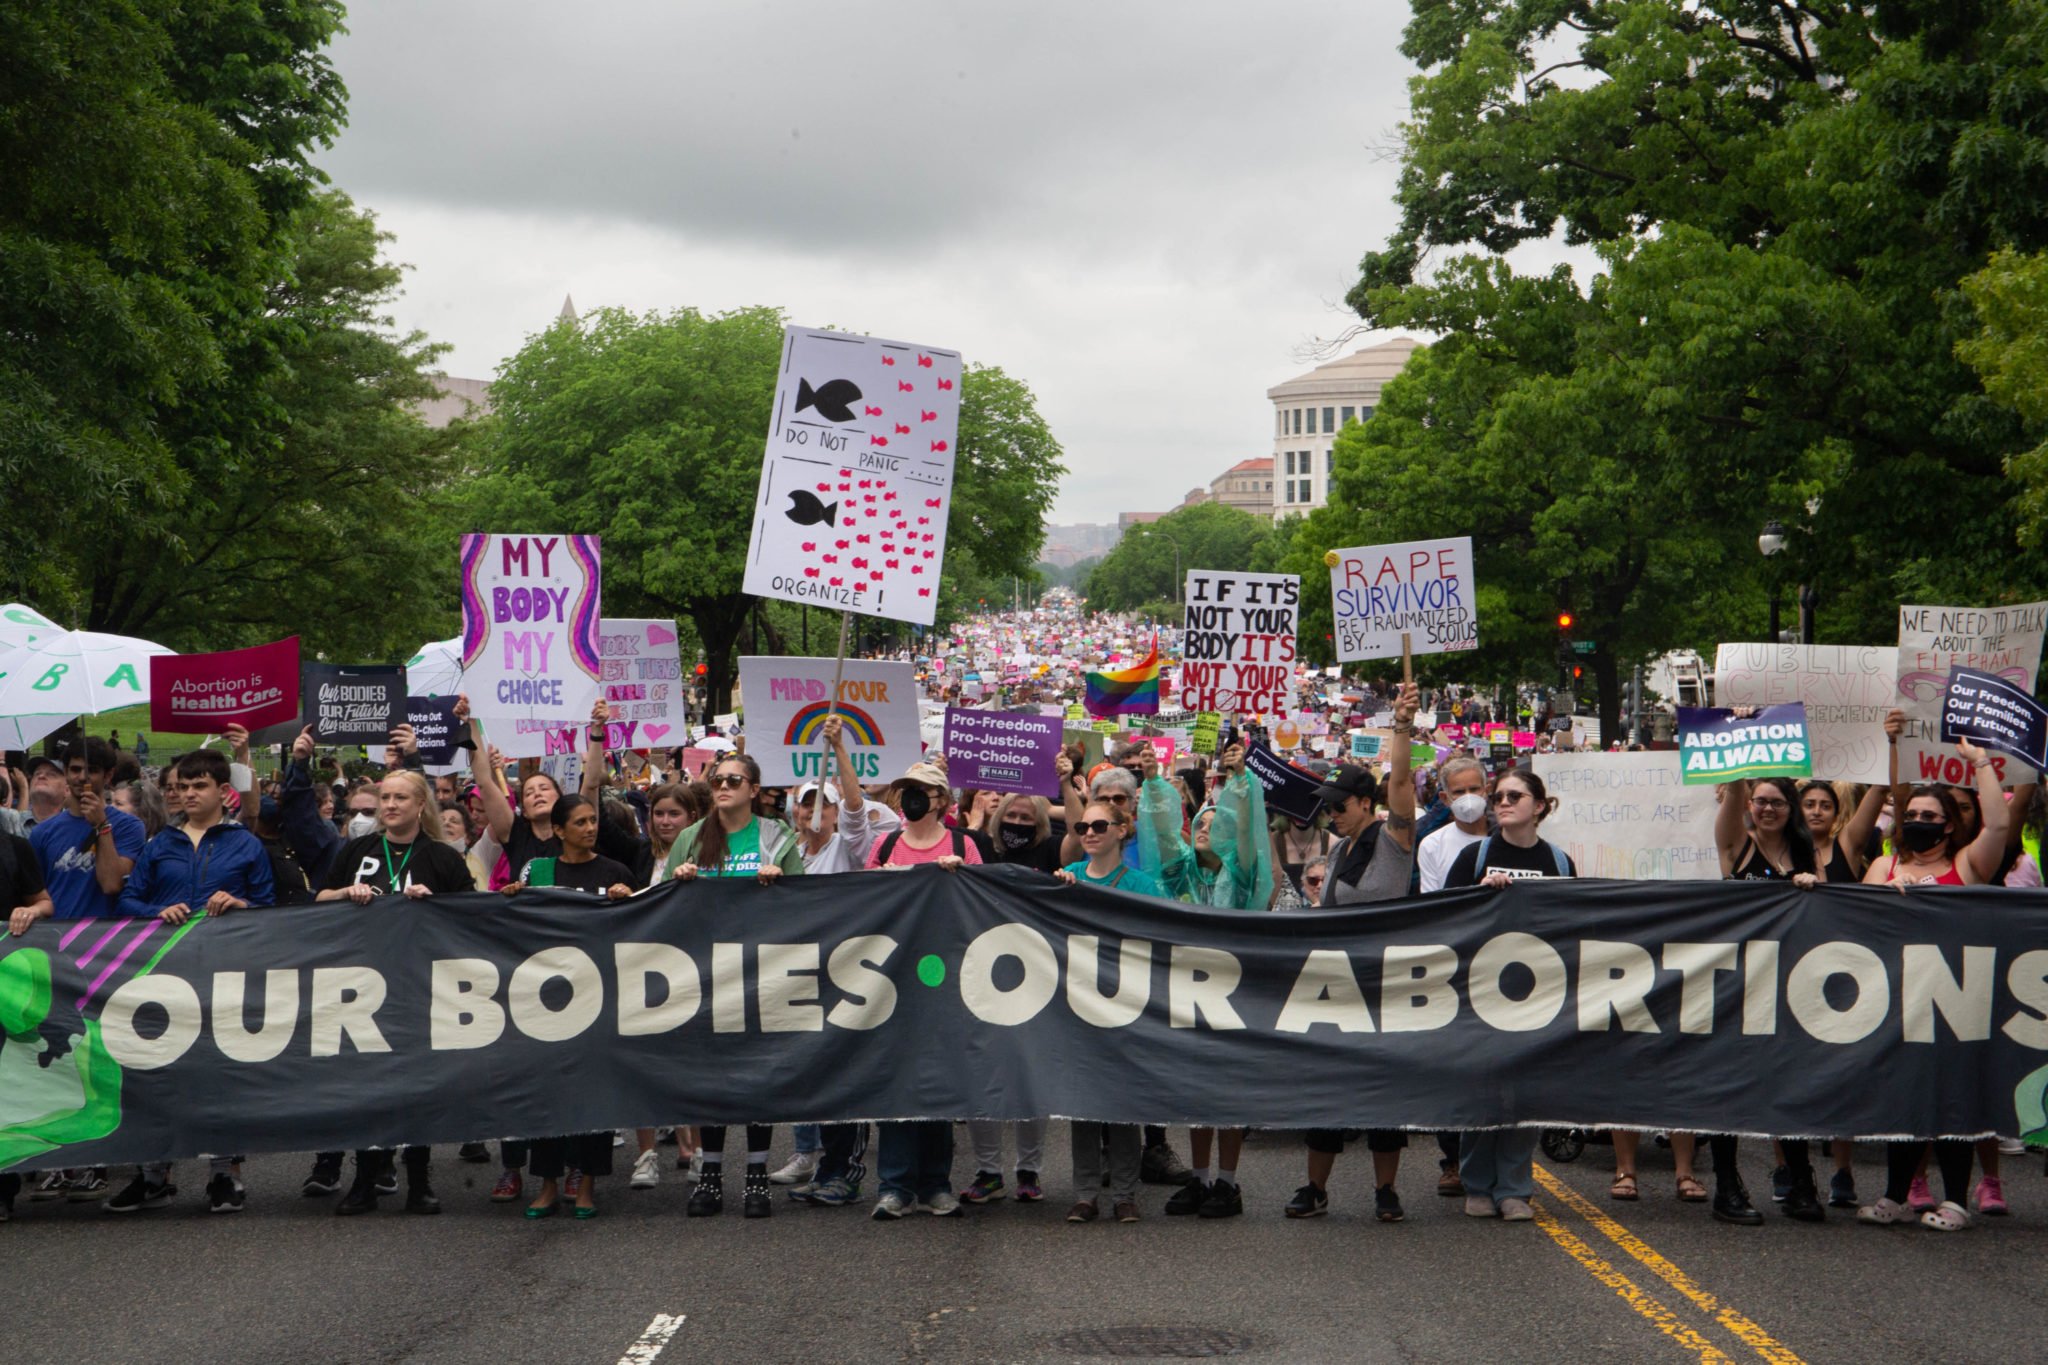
(651, 1342)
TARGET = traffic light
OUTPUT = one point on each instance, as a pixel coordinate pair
(1567, 667)
(1564, 620)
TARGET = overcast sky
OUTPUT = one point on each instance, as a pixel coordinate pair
(1144, 211)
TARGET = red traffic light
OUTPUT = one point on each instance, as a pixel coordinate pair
(702, 670)
(1564, 620)
(1577, 672)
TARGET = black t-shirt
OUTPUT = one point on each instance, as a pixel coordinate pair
(21, 875)
(597, 876)
(1043, 854)
(424, 862)
(1538, 861)
(521, 847)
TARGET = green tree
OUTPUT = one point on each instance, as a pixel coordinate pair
(158, 162)
(649, 430)
(1141, 567)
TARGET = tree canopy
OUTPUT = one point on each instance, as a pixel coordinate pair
(1140, 570)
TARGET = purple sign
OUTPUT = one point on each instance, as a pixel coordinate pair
(1003, 751)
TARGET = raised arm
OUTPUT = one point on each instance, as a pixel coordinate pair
(1987, 850)
(483, 766)
(1074, 802)
(1855, 836)
(1400, 782)
(593, 756)
(1730, 828)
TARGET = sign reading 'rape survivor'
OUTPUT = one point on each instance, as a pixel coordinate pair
(1420, 588)
(986, 993)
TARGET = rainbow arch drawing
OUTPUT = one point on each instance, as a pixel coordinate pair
(859, 726)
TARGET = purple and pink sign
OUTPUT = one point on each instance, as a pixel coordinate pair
(530, 627)
(1003, 751)
(203, 694)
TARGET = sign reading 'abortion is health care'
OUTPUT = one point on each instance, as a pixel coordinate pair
(203, 694)
(788, 701)
(530, 626)
(1420, 588)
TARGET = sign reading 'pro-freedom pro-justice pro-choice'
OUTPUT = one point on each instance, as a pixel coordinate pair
(1420, 588)
(859, 475)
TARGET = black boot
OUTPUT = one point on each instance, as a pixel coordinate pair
(419, 1189)
(1802, 1199)
(362, 1191)
(1731, 1202)
(754, 1200)
(709, 1196)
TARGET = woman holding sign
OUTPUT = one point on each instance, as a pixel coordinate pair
(1224, 865)
(732, 841)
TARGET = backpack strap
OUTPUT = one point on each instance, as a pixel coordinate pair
(888, 847)
(1557, 856)
(1479, 866)
(959, 841)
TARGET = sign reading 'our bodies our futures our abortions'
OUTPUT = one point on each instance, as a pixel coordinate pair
(1421, 589)
(530, 614)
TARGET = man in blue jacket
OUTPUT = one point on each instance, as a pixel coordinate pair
(206, 866)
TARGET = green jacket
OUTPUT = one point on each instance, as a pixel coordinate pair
(778, 846)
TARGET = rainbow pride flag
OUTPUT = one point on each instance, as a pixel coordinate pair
(1132, 691)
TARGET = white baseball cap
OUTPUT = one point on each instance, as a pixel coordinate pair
(831, 792)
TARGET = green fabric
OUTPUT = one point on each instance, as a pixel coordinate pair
(767, 839)
(1135, 880)
(1243, 878)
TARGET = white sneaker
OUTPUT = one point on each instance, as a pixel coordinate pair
(1513, 1210)
(941, 1205)
(891, 1205)
(799, 1171)
(646, 1169)
(2012, 1147)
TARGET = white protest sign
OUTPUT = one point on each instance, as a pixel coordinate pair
(1630, 816)
(643, 685)
(1238, 643)
(2005, 641)
(530, 614)
(858, 478)
(788, 700)
(1847, 690)
(1420, 588)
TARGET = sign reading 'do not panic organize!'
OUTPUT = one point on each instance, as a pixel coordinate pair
(1419, 588)
(530, 615)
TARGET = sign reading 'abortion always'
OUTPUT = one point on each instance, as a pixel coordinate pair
(994, 993)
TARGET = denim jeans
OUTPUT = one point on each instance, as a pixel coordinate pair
(1497, 1163)
(916, 1159)
(808, 1138)
(1126, 1147)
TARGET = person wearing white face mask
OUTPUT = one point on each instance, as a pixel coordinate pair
(1464, 789)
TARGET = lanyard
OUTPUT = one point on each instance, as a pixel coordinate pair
(394, 872)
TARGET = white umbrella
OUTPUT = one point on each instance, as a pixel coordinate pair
(70, 673)
(717, 744)
(436, 671)
(22, 624)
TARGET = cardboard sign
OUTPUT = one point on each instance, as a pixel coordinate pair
(1420, 588)
(1289, 790)
(1715, 747)
(1207, 731)
(353, 704)
(530, 618)
(1630, 816)
(858, 479)
(1002, 751)
(1847, 690)
(1933, 641)
(435, 727)
(1237, 646)
(1093, 751)
(643, 687)
(1077, 712)
(1986, 708)
(787, 703)
(203, 694)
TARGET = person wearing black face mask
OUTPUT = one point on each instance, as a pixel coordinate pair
(1022, 833)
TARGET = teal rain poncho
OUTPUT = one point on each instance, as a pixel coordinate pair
(1243, 876)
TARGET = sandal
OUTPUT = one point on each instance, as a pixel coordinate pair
(1690, 1191)
(1623, 1189)
(1948, 1216)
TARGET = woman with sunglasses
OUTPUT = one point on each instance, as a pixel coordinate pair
(1103, 828)
(732, 841)
(1496, 1165)
(1224, 865)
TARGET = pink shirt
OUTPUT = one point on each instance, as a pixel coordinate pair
(903, 855)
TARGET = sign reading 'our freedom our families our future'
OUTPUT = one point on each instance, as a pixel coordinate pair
(1421, 589)
(851, 511)
(789, 699)
(530, 614)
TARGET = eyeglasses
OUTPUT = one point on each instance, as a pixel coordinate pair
(1116, 798)
(1095, 826)
(1772, 804)
(1311, 881)
(729, 780)
(1921, 818)
(1508, 798)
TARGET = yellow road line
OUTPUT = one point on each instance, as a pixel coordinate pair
(1631, 1293)
(1753, 1336)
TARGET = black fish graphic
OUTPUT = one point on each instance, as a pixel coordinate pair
(833, 402)
(806, 510)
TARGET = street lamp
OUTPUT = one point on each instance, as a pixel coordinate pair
(1179, 584)
(1770, 543)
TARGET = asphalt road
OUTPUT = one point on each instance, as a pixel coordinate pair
(1590, 1280)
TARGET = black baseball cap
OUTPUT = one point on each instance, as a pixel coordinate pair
(1348, 781)
(38, 760)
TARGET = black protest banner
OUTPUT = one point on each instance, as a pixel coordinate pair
(352, 703)
(996, 993)
(435, 727)
(2003, 718)
(1289, 790)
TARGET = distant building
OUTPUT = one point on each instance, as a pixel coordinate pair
(1310, 409)
(1247, 486)
(461, 398)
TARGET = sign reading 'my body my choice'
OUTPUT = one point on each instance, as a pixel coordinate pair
(643, 688)
(1237, 656)
(530, 626)
(1419, 588)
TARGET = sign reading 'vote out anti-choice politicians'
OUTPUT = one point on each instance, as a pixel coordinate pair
(1420, 588)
